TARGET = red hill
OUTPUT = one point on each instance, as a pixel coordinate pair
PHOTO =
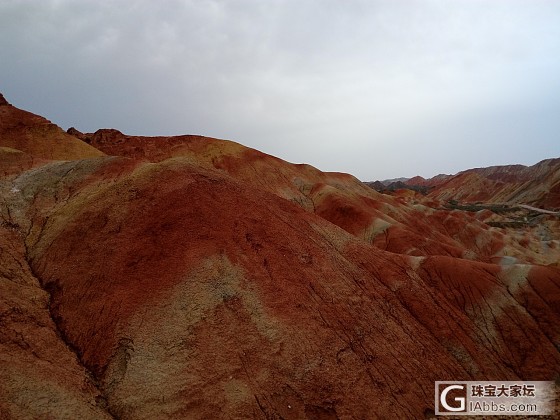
(537, 185)
(189, 277)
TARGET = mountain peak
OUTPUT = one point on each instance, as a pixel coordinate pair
(3, 100)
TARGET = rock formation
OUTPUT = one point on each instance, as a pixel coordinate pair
(3, 100)
(38, 137)
(190, 277)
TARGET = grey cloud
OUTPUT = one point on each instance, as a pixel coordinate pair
(376, 88)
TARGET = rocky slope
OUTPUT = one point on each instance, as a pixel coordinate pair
(37, 137)
(189, 277)
(405, 224)
(510, 213)
(537, 185)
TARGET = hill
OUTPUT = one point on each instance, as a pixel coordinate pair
(537, 185)
(191, 277)
(37, 137)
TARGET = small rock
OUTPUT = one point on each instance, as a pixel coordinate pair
(3, 100)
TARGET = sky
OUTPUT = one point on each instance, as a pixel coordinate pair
(376, 88)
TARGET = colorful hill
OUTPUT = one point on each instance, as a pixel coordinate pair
(38, 137)
(190, 277)
(537, 185)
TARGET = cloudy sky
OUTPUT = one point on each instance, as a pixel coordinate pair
(377, 88)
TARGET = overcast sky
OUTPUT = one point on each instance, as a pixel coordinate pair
(379, 89)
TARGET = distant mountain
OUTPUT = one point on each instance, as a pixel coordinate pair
(376, 185)
(432, 182)
(537, 185)
(393, 180)
(383, 186)
(416, 183)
